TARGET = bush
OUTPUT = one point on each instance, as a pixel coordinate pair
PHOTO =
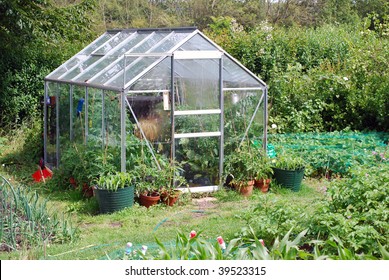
(320, 79)
(357, 210)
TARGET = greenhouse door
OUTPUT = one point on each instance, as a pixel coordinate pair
(197, 117)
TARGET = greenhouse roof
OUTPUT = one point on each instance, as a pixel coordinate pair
(140, 59)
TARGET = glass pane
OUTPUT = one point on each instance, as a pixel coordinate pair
(198, 43)
(110, 72)
(200, 160)
(107, 60)
(51, 150)
(235, 76)
(112, 130)
(197, 123)
(98, 42)
(80, 57)
(67, 66)
(78, 114)
(157, 78)
(80, 68)
(170, 42)
(64, 118)
(152, 116)
(197, 84)
(133, 68)
(155, 123)
(108, 46)
(149, 43)
(95, 117)
(99, 66)
(238, 112)
(133, 41)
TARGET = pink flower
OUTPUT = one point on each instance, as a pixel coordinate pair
(221, 242)
(374, 152)
(262, 242)
(192, 234)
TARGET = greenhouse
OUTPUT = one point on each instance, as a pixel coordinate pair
(154, 94)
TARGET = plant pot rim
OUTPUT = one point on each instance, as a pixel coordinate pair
(150, 194)
(287, 169)
(96, 187)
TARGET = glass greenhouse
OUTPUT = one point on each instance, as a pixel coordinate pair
(156, 93)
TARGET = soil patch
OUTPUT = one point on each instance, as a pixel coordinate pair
(205, 203)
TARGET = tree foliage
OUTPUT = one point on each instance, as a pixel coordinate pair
(36, 37)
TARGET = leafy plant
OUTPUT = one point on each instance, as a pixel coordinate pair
(115, 181)
(356, 208)
(289, 161)
(243, 164)
(264, 169)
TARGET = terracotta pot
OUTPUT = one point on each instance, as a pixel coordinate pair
(147, 201)
(87, 191)
(246, 189)
(262, 184)
(73, 182)
(170, 199)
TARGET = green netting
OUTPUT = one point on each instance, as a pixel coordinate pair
(334, 152)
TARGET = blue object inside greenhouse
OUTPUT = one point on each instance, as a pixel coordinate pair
(80, 106)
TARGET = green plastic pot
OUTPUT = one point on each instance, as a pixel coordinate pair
(290, 179)
(111, 201)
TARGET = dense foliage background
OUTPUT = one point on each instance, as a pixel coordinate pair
(325, 62)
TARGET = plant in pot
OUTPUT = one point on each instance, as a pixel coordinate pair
(88, 163)
(170, 180)
(114, 191)
(289, 171)
(263, 174)
(241, 165)
(146, 188)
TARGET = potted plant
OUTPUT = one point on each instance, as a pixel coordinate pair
(146, 187)
(242, 165)
(289, 171)
(263, 174)
(114, 191)
(84, 164)
(170, 180)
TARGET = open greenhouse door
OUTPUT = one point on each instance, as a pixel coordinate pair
(197, 117)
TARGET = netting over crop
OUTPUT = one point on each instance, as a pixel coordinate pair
(334, 152)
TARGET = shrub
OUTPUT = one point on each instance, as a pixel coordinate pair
(357, 210)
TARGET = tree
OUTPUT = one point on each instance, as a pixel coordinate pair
(36, 36)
